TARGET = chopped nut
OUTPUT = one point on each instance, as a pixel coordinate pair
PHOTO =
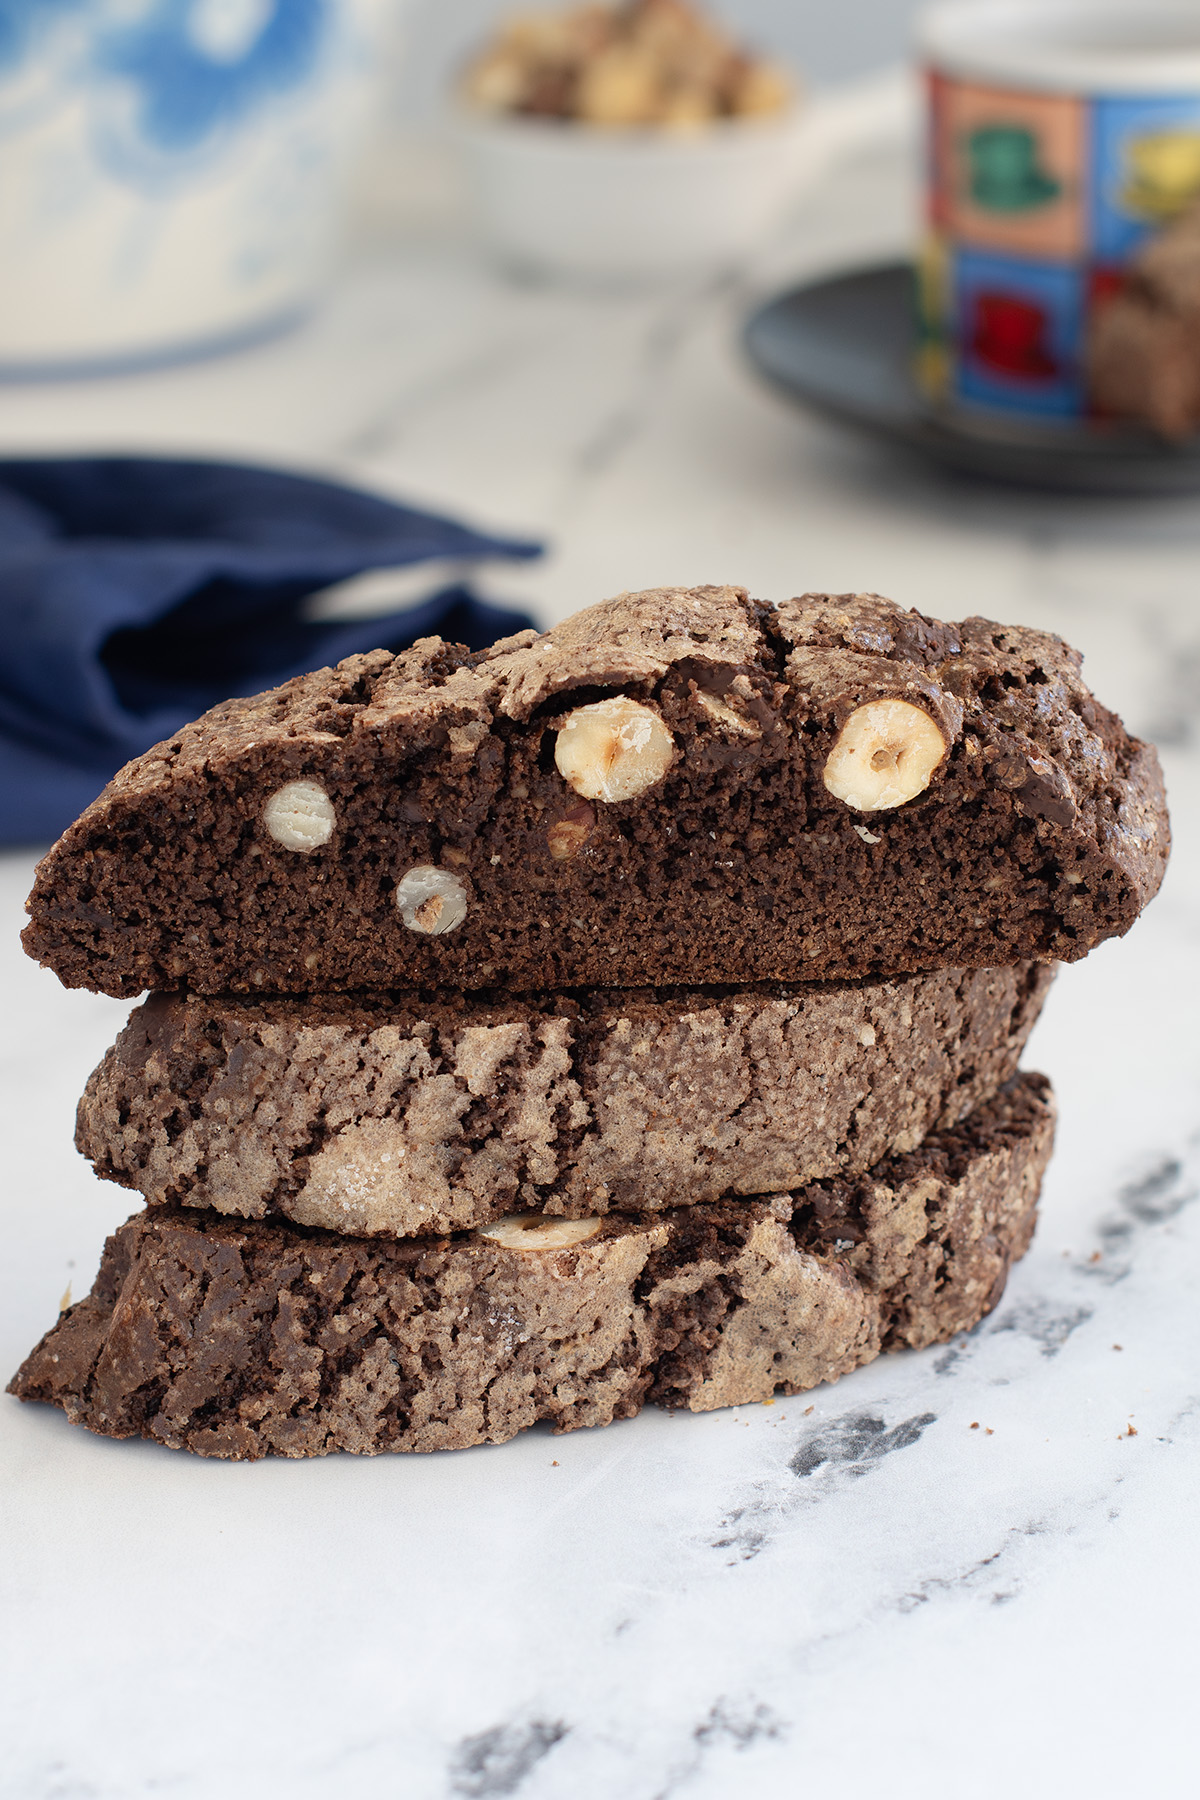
(724, 714)
(499, 81)
(688, 108)
(868, 837)
(464, 740)
(534, 1231)
(761, 88)
(567, 836)
(885, 754)
(300, 816)
(613, 750)
(618, 87)
(431, 900)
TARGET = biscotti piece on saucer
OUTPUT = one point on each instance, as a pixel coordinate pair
(407, 1114)
(678, 786)
(245, 1340)
(1143, 352)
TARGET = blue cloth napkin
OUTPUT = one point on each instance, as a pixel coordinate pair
(135, 593)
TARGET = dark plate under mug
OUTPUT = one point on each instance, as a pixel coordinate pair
(844, 347)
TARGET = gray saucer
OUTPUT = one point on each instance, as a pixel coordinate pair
(844, 347)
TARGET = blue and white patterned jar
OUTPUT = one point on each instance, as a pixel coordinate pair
(170, 170)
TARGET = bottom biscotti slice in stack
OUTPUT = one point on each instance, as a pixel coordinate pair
(242, 1340)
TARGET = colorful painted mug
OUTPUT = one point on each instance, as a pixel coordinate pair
(1062, 134)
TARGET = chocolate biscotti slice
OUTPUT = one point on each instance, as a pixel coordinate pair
(244, 1340)
(410, 1114)
(1143, 344)
(676, 786)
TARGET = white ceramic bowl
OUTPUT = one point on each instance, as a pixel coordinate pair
(558, 199)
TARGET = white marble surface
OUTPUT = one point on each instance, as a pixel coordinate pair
(850, 1593)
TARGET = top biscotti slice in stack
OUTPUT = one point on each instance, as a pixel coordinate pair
(677, 786)
(627, 1013)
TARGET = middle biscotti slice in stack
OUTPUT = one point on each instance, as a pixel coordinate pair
(402, 1115)
(414, 923)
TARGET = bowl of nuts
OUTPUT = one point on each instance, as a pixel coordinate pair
(625, 142)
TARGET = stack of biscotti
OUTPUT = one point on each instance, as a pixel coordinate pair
(629, 1013)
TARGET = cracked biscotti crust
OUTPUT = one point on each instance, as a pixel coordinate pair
(245, 1340)
(639, 796)
(408, 1114)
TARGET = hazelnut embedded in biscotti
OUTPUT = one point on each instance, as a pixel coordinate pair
(613, 750)
(534, 1231)
(300, 816)
(431, 900)
(885, 754)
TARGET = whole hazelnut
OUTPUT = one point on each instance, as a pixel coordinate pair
(431, 900)
(885, 754)
(613, 750)
(300, 816)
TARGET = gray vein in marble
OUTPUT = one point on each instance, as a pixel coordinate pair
(1046, 1322)
(980, 1574)
(840, 1450)
(659, 348)
(740, 1724)
(498, 1761)
(1156, 1197)
(856, 1442)
(392, 420)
